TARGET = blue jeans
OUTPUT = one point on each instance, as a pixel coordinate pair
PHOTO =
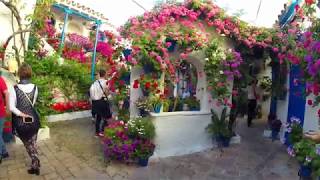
(2, 145)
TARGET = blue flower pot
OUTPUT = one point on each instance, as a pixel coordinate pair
(126, 78)
(148, 68)
(305, 171)
(222, 141)
(173, 44)
(157, 108)
(143, 162)
(126, 53)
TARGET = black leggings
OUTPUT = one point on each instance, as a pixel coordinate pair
(252, 104)
(99, 127)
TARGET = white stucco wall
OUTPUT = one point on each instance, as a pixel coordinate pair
(311, 119)
(179, 133)
(25, 8)
(75, 24)
(282, 110)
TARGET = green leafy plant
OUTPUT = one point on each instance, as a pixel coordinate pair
(72, 78)
(141, 127)
(144, 149)
(193, 103)
(295, 130)
(219, 126)
(304, 150)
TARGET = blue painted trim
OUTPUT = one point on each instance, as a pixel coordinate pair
(66, 15)
(297, 103)
(75, 12)
(287, 17)
(93, 63)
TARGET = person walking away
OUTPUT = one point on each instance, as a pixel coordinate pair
(252, 101)
(25, 119)
(100, 102)
(4, 100)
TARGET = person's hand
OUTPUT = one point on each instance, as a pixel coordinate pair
(8, 113)
(24, 115)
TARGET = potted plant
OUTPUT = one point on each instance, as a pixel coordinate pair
(143, 106)
(218, 128)
(294, 130)
(148, 84)
(156, 103)
(303, 151)
(144, 150)
(193, 103)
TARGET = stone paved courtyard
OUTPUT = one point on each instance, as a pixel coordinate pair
(73, 153)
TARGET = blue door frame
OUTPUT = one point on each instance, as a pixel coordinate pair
(297, 100)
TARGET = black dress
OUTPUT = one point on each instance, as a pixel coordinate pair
(25, 131)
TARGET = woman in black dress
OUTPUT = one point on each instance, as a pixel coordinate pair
(25, 118)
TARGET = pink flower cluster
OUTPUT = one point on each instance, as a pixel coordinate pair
(81, 41)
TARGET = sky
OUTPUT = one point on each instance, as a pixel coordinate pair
(118, 11)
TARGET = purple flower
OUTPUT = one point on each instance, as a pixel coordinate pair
(308, 159)
(308, 58)
(291, 152)
(295, 120)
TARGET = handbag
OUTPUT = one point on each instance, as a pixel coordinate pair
(26, 127)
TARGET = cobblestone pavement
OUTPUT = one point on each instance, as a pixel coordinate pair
(73, 153)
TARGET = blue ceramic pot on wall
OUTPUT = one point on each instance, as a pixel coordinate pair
(143, 162)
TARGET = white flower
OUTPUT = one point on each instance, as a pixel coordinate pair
(207, 59)
(221, 72)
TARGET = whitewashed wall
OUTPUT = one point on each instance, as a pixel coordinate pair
(311, 119)
(282, 109)
(25, 8)
(75, 24)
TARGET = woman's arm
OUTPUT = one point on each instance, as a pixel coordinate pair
(13, 102)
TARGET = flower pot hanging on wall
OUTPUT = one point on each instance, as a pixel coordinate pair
(126, 53)
(148, 68)
(157, 108)
(126, 78)
(171, 44)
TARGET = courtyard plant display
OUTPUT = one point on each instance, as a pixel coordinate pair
(218, 128)
(72, 79)
(187, 27)
(129, 142)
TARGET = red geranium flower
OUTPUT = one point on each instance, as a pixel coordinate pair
(155, 84)
(147, 85)
(136, 84)
(309, 2)
(310, 102)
